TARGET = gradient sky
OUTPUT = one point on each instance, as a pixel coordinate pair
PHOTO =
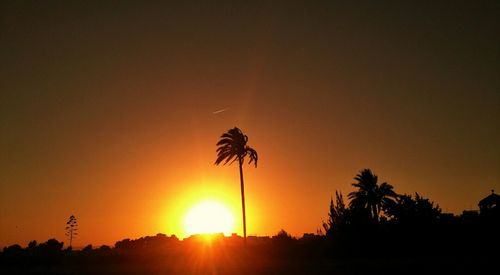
(106, 110)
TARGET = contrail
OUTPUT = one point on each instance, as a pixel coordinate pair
(220, 111)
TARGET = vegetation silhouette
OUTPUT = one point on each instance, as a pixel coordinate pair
(371, 196)
(411, 236)
(413, 211)
(233, 146)
(71, 230)
(338, 216)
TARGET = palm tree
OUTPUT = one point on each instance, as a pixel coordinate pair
(371, 196)
(233, 146)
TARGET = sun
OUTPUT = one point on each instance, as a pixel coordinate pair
(209, 217)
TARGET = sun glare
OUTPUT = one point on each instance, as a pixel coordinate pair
(209, 217)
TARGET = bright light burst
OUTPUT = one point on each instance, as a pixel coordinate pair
(209, 217)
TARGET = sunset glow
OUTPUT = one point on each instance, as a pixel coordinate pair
(249, 137)
(208, 217)
(113, 112)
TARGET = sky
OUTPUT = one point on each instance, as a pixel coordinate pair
(109, 110)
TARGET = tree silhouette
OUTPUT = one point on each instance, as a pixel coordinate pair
(337, 216)
(409, 210)
(370, 195)
(282, 237)
(233, 146)
(71, 229)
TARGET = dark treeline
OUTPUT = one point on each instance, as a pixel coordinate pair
(379, 222)
(374, 230)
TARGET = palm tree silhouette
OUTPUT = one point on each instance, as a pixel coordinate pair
(370, 195)
(233, 146)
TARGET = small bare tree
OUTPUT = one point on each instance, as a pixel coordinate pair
(71, 229)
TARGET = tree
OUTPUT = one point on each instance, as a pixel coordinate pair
(71, 229)
(87, 249)
(282, 237)
(338, 215)
(370, 195)
(233, 146)
(50, 248)
(32, 245)
(409, 210)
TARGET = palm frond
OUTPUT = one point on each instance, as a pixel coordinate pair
(221, 157)
(227, 135)
(225, 148)
(232, 146)
(254, 157)
(232, 157)
(224, 141)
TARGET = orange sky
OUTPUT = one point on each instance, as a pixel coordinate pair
(107, 112)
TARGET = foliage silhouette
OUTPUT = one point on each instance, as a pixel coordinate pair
(415, 225)
(282, 235)
(52, 246)
(371, 196)
(87, 249)
(32, 244)
(418, 210)
(338, 216)
(233, 146)
(281, 254)
(71, 229)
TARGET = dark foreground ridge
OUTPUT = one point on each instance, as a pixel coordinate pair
(454, 247)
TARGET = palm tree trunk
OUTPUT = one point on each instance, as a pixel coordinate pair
(243, 201)
(375, 213)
